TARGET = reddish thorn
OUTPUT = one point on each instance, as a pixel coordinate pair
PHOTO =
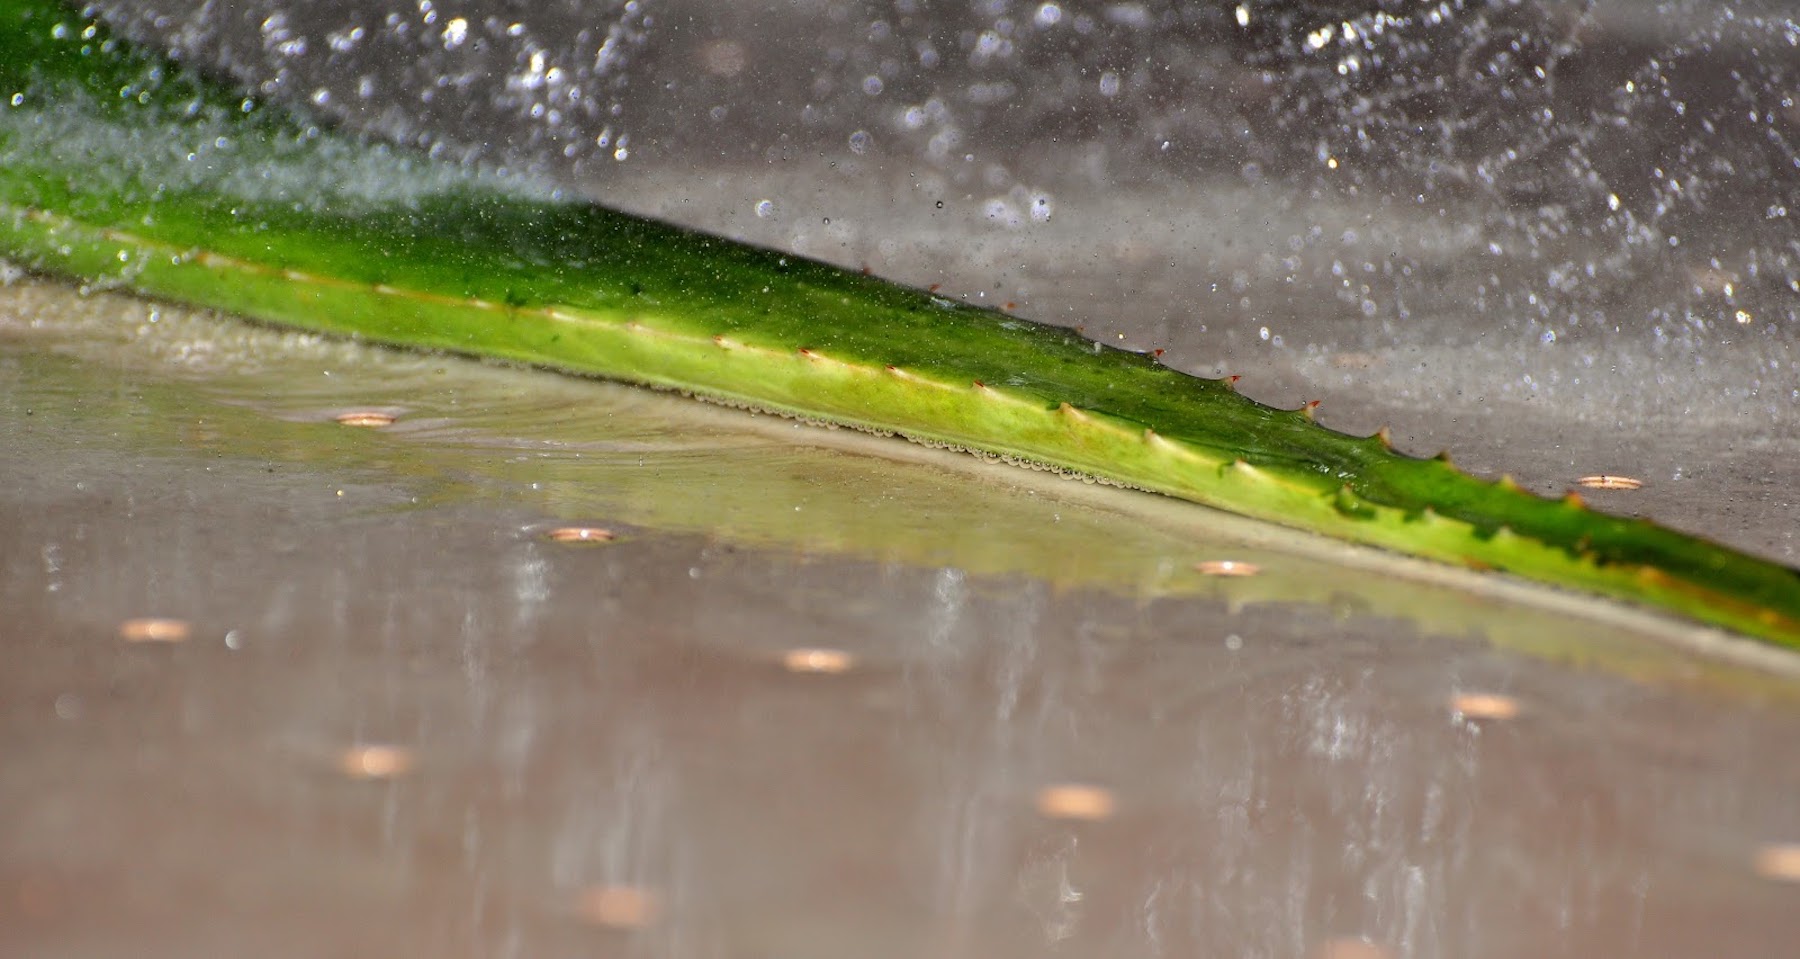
(1081, 329)
(806, 352)
(1310, 406)
(980, 385)
(892, 368)
(1574, 501)
(1386, 437)
(1156, 352)
(866, 271)
(1009, 305)
(1232, 379)
(933, 288)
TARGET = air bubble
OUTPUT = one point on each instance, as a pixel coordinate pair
(859, 142)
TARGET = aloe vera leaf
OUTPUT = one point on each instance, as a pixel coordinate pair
(125, 170)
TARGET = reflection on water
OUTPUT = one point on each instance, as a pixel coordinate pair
(403, 720)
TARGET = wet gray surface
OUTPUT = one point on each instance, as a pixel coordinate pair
(1287, 771)
(1289, 776)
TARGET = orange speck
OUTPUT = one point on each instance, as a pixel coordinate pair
(816, 660)
(371, 419)
(1075, 801)
(375, 762)
(581, 534)
(618, 907)
(933, 288)
(1349, 948)
(153, 630)
(1009, 305)
(1484, 706)
(1609, 481)
(1227, 567)
(1779, 861)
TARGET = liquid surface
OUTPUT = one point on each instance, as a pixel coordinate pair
(267, 668)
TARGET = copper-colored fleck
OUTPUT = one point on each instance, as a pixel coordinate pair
(375, 762)
(1227, 567)
(1352, 948)
(1779, 861)
(1484, 706)
(1075, 801)
(373, 419)
(1609, 481)
(153, 630)
(817, 661)
(581, 534)
(1355, 361)
(618, 907)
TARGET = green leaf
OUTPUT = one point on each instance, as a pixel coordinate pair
(125, 170)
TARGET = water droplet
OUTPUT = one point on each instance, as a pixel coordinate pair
(455, 32)
(1484, 706)
(154, 630)
(1077, 802)
(1611, 482)
(581, 534)
(618, 907)
(1779, 861)
(375, 762)
(825, 661)
(371, 419)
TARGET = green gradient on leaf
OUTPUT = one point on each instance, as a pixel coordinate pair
(126, 171)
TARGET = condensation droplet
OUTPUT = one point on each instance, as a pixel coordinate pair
(375, 762)
(154, 630)
(368, 419)
(816, 660)
(1076, 802)
(1489, 706)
